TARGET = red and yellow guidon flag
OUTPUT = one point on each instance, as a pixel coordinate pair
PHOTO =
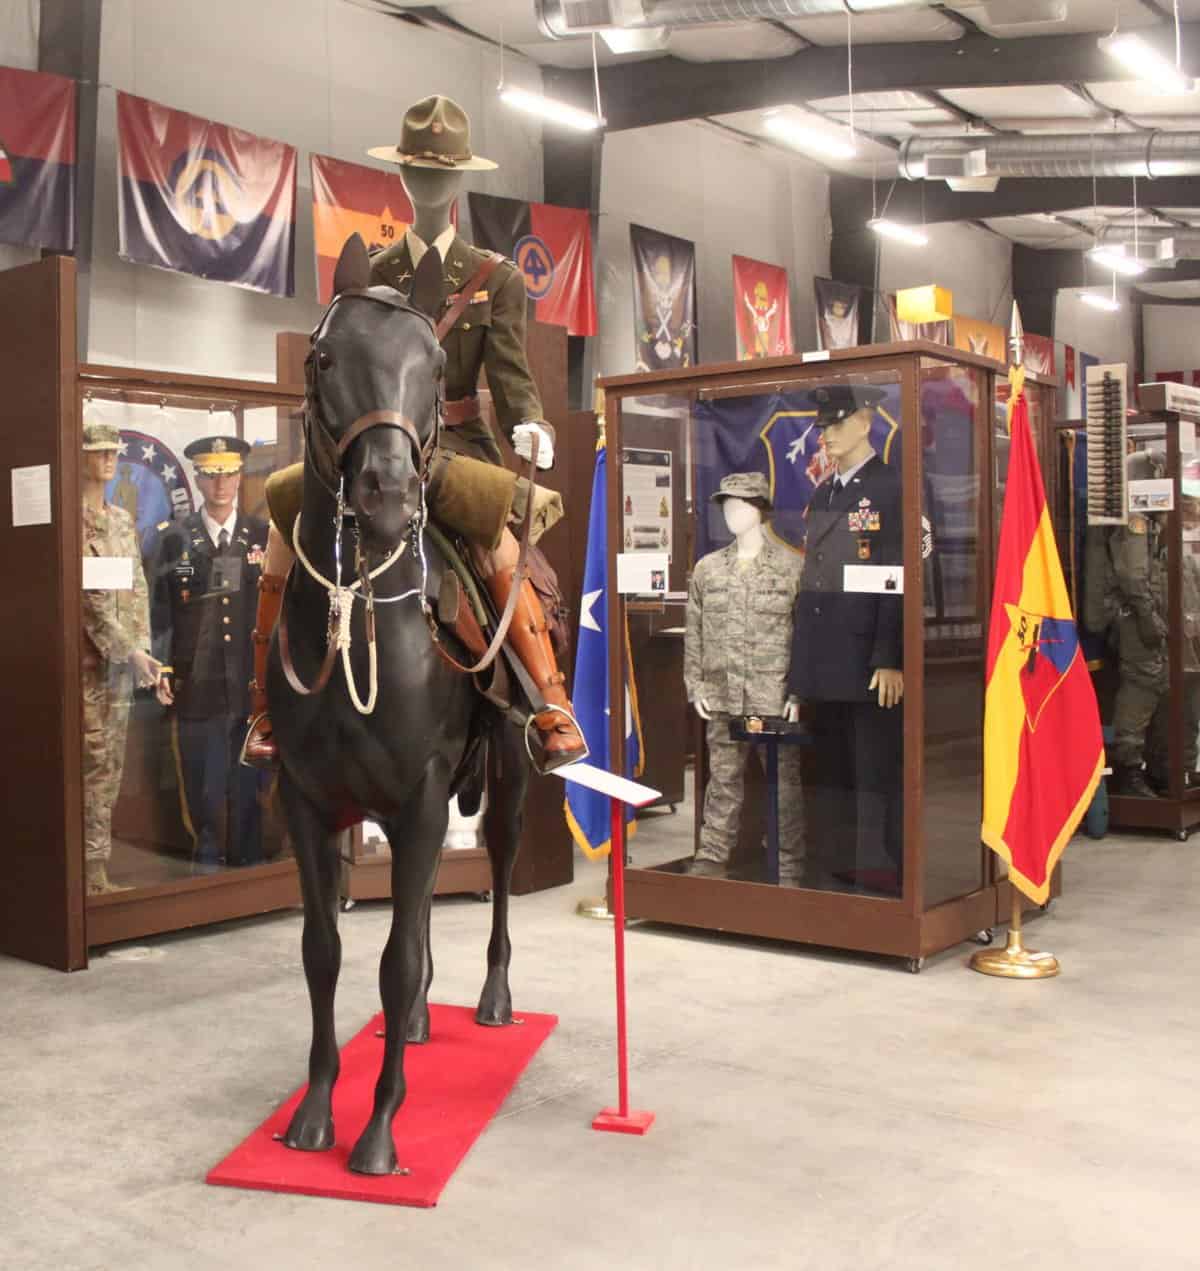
(1043, 752)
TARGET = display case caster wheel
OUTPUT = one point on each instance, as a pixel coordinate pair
(1046, 907)
(1181, 835)
(672, 807)
(914, 965)
(347, 904)
(983, 937)
(483, 897)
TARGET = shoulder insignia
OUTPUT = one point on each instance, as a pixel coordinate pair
(162, 525)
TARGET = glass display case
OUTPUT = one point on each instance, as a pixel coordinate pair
(828, 561)
(1136, 590)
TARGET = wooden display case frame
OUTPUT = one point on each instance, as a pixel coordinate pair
(903, 927)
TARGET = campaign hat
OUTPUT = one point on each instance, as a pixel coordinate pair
(436, 133)
(750, 486)
(213, 456)
(835, 402)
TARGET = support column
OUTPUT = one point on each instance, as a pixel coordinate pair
(69, 44)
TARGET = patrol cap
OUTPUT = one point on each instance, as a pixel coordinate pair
(835, 402)
(751, 486)
(101, 437)
(216, 455)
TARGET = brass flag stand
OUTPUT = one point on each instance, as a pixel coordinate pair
(1014, 961)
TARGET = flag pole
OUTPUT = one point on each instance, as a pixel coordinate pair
(597, 906)
(1014, 961)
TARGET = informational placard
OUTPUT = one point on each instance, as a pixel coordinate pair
(31, 495)
(1154, 495)
(884, 580)
(648, 511)
(642, 573)
(107, 573)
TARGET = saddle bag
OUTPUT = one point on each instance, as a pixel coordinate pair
(545, 583)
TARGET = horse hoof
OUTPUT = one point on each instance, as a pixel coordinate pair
(495, 1002)
(309, 1137)
(374, 1153)
(418, 1027)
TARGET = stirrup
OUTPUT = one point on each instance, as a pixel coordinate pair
(262, 765)
(539, 766)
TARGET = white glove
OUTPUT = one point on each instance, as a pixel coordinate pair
(522, 442)
(791, 710)
(702, 708)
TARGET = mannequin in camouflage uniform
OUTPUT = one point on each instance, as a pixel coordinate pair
(116, 637)
(488, 335)
(1139, 578)
(735, 663)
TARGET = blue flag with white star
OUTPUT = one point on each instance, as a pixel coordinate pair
(587, 811)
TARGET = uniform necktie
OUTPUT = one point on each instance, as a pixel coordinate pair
(835, 489)
(223, 541)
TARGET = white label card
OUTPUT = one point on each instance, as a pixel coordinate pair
(1154, 495)
(31, 495)
(107, 573)
(815, 355)
(642, 573)
(1187, 437)
(884, 580)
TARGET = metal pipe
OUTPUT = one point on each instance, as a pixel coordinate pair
(1141, 154)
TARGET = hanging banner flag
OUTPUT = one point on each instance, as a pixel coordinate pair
(37, 159)
(985, 338)
(837, 313)
(1043, 753)
(206, 199)
(938, 332)
(553, 247)
(587, 811)
(664, 300)
(762, 309)
(1039, 355)
(1069, 365)
(350, 198)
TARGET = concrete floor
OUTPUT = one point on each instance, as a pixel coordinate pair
(814, 1110)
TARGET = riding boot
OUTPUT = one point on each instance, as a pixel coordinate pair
(259, 749)
(560, 736)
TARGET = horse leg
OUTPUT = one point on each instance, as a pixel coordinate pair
(311, 1127)
(416, 838)
(507, 783)
(418, 1019)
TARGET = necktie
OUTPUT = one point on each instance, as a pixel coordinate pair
(223, 541)
(835, 489)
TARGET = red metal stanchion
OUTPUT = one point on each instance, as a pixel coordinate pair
(620, 1119)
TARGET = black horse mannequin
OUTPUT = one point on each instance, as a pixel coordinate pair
(400, 764)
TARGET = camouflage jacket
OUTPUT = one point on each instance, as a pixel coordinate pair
(115, 622)
(739, 630)
(1141, 595)
(489, 334)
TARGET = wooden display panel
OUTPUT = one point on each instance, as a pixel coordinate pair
(41, 863)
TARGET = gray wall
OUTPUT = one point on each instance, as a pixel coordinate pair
(1172, 335)
(729, 198)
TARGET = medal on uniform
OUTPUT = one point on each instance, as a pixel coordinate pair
(864, 549)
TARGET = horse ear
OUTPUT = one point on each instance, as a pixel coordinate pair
(426, 292)
(353, 271)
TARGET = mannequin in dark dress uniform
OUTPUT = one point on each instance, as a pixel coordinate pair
(204, 573)
(848, 645)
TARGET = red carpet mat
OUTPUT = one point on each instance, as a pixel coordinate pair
(456, 1082)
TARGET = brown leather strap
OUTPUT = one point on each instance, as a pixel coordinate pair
(461, 410)
(459, 302)
(289, 667)
(372, 419)
(510, 607)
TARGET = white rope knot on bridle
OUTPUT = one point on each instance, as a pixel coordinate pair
(341, 611)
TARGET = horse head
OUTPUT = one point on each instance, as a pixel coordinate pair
(373, 375)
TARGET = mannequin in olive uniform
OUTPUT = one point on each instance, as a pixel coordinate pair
(1141, 714)
(847, 660)
(116, 639)
(735, 663)
(205, 573)
(489, 334)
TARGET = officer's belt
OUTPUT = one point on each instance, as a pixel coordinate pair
(461, 411)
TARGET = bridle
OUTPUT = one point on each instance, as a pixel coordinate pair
(325, 456)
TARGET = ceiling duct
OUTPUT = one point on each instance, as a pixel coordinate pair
(1141, 154)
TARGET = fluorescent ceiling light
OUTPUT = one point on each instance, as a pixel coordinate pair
(901, 233)
(547, 108)
(1113, 257)
(1098, 300)
(1158, 73)
(646, 40)
(802, 135)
